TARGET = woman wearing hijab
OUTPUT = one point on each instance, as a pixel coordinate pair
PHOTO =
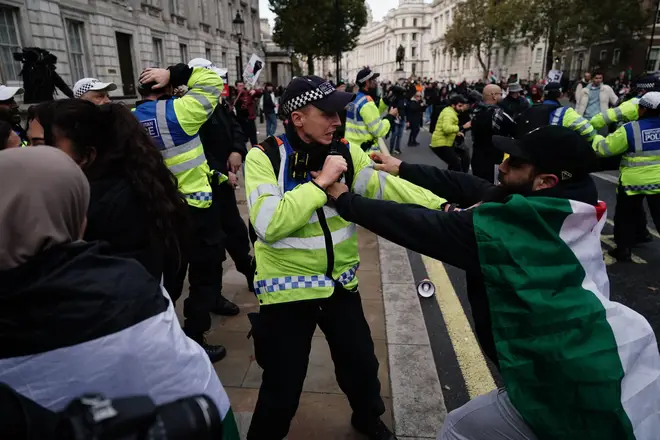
(74, 320)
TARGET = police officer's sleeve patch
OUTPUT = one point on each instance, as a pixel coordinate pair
(152, 127)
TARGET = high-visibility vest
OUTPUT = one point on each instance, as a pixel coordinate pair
(626, 112)
(294, 224)
(640, 166)
(174, 124)
(363, 121)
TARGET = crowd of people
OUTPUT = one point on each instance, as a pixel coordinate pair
(109, 209)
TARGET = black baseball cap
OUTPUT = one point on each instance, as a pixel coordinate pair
(552, 149)
(314, 90)
(552, 86)
(365, 75)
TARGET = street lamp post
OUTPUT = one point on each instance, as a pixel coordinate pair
(238, 23)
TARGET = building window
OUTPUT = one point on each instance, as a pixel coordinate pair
(207, 53)
(403, 23)
(603, 55)
(202, 11)
(174, 7)
(403, 37)
(616, 57)
(539, 55)
(9, 43)
(654, 55)
(414, 22)
(465, 63)
(183, 52)
(75, 36)
(219, 9)
(435, 26)
(157, 46)
(414, 36)
(497, 57)
(223, 57)
(413, 52)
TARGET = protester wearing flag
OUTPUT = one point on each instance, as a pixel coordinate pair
(575, 365)
(75, 320)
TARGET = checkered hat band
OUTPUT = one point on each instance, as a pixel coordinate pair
(85, 88)
(306, 98)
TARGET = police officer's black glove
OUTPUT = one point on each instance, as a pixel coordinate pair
(179, 74)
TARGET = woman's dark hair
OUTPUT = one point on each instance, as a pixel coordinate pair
(117, 144)
(5, 131)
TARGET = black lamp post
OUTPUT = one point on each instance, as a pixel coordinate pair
(238, 23)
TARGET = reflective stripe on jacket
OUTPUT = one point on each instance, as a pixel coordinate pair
(626, 112)
(569, 118)
(174, 125)
(290, 251)
(446, 128)
(363, 121)
(640, 165)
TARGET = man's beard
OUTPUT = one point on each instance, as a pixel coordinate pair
(524, 189)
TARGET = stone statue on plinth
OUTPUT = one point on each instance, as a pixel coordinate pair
(400, 54)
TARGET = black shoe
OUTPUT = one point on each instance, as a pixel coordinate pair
(215, 352)
(225, 307)
(621, 254)
(374, 431)
(648, 238)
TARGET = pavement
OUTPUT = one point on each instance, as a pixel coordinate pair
(430, 361)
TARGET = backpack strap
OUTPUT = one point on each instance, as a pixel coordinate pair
(271, 146)
(345, 150)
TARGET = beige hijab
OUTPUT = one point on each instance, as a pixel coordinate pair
(43, 202)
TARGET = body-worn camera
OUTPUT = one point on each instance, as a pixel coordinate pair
(94, 416)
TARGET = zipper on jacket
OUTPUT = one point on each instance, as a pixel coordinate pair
(329, 248)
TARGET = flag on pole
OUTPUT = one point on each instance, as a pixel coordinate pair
(492, 77)
(576, 365)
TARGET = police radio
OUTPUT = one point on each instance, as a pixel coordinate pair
(333, 151)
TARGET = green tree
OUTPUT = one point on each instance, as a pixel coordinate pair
(477, 26)
(318, 28)
(561, 23)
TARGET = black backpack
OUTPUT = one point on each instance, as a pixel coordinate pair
(272, 150)
(534, 117)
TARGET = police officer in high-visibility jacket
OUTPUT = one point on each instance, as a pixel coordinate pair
(363, 122)
(627, 110)
(565, 116)
(174, 124)
(640, 171)
(307, 259)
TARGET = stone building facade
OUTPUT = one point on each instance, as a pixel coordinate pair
(113, 40)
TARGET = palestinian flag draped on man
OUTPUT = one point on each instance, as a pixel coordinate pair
(576, 365)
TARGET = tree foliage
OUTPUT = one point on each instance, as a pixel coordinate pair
(563, 23)
(477, 26)
(318, 28)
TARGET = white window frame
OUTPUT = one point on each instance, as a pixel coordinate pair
(17, 66)
(159, 53)
(80, 24)
(602, 56)
(414, 22)
(616, 57)
(538, 55)
(414, 36)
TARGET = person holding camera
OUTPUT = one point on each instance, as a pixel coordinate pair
(447, 129)
(363, 122)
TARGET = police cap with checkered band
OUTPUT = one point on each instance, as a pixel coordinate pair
(304, 90)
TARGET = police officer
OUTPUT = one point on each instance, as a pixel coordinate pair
(363, 122)
(307, 259)
(174, 125)
(551, 112)
(627, 110)
(640, 171)
(224, 147)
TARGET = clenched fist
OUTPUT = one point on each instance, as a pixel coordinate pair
(333, 168)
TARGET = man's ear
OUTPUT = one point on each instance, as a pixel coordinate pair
(546, 181)
(297, 118)
(89, 158)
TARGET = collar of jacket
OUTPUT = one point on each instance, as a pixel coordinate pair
(160, 98)
(551, 102)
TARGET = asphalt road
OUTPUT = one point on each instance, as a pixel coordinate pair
(461, 367)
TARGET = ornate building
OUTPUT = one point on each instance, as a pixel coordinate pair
(278, 69)
(113, 40)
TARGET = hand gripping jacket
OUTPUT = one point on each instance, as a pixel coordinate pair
(363, 122)
(174, 124)
(640, 165)
(304, 248)
(626, 112)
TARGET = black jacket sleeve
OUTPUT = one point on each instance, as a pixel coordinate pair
(179, 74)
(445, 236)
(238, 137)
(63, 86)
(461, 188)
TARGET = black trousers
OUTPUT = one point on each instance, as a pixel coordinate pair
(237, 241)
(203, 255)
(414, 132)
(630, 218)
(456, 159)
(249, 127)
(282, 342)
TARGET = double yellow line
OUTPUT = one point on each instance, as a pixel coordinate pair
(471, 360)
